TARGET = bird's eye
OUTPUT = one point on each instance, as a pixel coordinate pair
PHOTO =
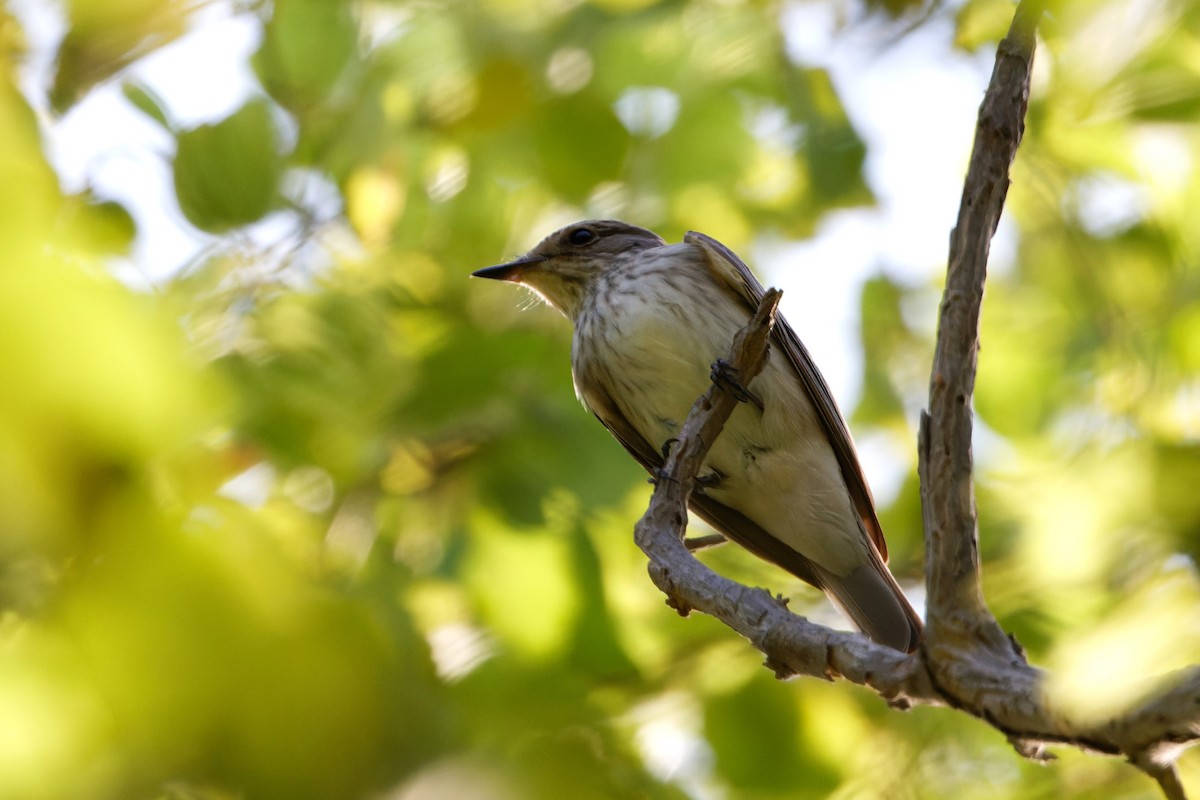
(581, 236)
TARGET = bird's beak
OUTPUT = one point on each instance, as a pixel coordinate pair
(511, 271)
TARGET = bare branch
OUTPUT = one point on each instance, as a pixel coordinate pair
(969, 657)
(699, 543)
(955, 603)
(966, 660)
(995, 685)
(792, 644)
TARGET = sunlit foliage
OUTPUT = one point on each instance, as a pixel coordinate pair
(321, 518)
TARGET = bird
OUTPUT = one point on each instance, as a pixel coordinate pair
(782, 479)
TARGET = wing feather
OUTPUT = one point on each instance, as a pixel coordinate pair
(730, 269)
(733, 524)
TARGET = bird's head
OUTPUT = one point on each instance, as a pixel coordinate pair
(564, 265)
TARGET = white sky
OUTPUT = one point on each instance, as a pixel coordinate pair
(913, 101)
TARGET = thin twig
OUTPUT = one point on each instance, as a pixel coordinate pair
(698, 543)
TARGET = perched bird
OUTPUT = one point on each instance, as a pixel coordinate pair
(782, 479)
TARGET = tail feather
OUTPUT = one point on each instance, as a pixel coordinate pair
(872, 598)
(868, 594)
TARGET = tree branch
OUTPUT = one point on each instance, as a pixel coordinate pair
(955, 604)
(969, 657)
(792, 644)
(966, 661)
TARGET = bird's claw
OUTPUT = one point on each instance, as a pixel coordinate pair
(708, 480)
(725, 376)
(659, 474)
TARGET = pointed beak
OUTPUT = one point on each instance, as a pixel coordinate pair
(511, 271)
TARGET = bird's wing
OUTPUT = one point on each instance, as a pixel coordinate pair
(729, 522)
(730, 269)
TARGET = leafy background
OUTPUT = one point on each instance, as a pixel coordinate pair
(315, 516)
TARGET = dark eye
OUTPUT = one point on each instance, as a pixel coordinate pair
(581, 236)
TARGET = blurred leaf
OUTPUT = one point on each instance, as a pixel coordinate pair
(596, 647)
(322, 383)
(1167, 92)
(901, 521)
(273, 686)
(1018, 381)
(227, 174)
(707, 144)
(1176, 467)
(102, 38)
(306, 47)
(103, 388)
(979, 23)
(522, 583)
(557, 130)
(646, 50)
(883, 333)
(320, 517)
(897, 8)
(338, 136)
(102, 226)
(506, 94)
(32, 203)
(145, 100)
(1123, 660)
(834, 151)
(752, 727)
(543, 726)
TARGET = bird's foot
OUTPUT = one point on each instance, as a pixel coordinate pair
(709, 480)
(725, 376)
(660, 474)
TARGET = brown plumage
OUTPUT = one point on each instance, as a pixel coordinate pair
(650, 318)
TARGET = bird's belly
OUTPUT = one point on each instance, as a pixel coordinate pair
(774, 464)
(794, 491)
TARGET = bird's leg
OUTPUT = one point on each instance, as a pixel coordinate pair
(659, 472)
(726, 377)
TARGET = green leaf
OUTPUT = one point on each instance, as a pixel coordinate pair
(707, 144)
(227, 174)
(106, 225)
(146, 101)
(580, 142)
(883, 336)
(979, 23)
(306, 48)
(1165, 91)
(102, 38)
(756, 726)
(595, 647)
(834, 150)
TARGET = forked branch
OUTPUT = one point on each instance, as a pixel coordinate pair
(966, 661)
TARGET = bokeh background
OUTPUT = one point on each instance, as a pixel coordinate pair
(290, 508)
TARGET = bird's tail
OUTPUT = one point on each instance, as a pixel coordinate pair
(871, 597)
